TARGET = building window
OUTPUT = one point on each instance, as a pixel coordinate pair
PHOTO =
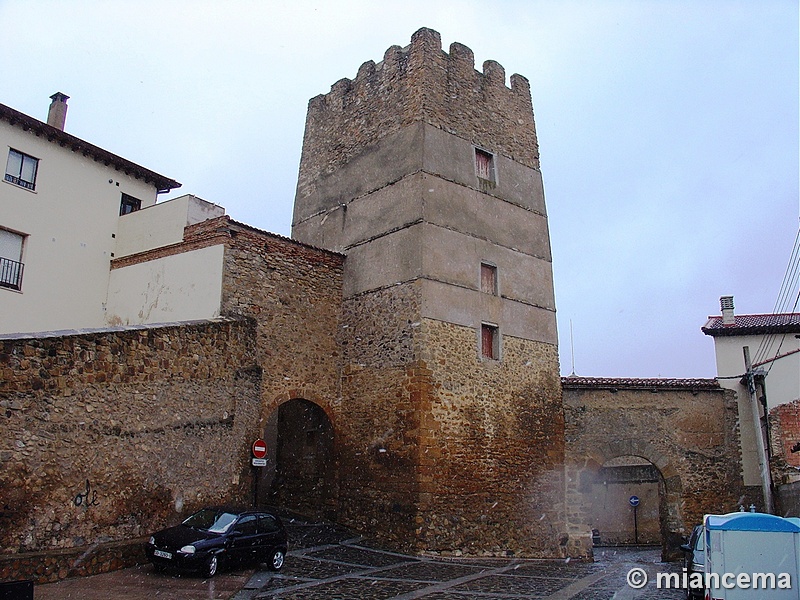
(484, 165)
(129, 204)
(11, 259)
(21, 169)
(490, 342)
(489, 279)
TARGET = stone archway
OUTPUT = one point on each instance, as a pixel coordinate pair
(623, 453)
(626, 502)
(301, 473)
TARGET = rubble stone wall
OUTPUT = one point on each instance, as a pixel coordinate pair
(688, 429)
(448, 452)
(491, 446)
(293, 292)
(108, 436)
(379, 438)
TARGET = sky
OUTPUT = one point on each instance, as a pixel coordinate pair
(668, 132)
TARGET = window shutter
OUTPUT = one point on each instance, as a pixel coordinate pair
(10, 245)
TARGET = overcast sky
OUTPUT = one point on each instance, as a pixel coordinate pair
(668, 132)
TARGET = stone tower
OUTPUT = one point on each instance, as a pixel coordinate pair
(425, 173)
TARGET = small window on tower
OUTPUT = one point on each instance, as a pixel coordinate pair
(484, 165)
(489, 279)
(129, 204)
(490, 342)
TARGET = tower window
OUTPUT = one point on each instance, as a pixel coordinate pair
(490, 342)
(489, 279)
(484, 165)
(21, 169)
(129, 204)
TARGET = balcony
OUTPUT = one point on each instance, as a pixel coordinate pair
(10, 273)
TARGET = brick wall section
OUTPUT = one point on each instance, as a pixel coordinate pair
(106, 436)
(200, 235)
(784, 422)
(687, 428)
(418, 83)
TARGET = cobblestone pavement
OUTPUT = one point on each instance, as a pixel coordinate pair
(329, 563)
(332, 563)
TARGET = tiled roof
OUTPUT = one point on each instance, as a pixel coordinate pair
(754, 324)
(66, 140)
(633, 383)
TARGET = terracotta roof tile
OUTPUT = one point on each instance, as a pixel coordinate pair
(635, 383)
(754, 324)
(40, 129)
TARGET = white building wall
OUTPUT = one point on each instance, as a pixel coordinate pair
(782, 384)
(782, 375)
(162, 224)
(70, 226)
(180, 287)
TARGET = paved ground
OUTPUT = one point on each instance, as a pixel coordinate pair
(330, 563)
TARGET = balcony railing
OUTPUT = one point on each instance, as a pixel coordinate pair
(10, 273)
(19, 181)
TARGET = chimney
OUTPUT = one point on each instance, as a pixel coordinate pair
(57, 115)
(726, 304)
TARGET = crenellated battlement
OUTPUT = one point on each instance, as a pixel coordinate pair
(420, 82)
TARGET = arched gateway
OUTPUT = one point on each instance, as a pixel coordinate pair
(671, 443)
(301, 472)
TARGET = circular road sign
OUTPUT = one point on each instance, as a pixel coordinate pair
(634, 500)
(259, 448)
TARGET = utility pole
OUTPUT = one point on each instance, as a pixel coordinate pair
(763, 462)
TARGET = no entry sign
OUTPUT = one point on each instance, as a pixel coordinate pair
(259, 448)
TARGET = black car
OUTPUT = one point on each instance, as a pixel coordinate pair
(215, 537)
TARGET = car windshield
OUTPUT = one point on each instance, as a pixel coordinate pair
(209, 519)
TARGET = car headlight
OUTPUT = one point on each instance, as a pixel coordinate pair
(152, 541)
(187, 550)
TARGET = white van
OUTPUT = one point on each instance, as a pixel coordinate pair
(751, 556)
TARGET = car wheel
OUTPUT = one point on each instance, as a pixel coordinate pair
(212, 566)
(276, 560)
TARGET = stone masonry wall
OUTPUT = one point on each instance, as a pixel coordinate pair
(418, 83)
(108, 436)
(293, 292)
(491, 447)
(688, 429)
(446, 452)
(379, 438)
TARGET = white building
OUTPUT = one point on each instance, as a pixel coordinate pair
(67, 210)
(773, 344)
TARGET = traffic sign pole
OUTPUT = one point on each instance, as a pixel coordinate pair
(634, 501)
(259, 450)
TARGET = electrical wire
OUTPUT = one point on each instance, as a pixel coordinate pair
(788, 293)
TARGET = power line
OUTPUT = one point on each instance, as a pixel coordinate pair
(788, 295)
